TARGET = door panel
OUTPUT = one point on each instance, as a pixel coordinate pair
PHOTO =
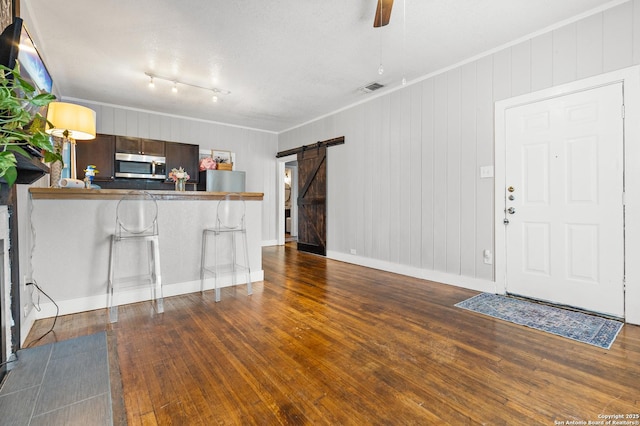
(312, 184)
(563, 199)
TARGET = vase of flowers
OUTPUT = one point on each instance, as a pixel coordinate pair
(180, 178)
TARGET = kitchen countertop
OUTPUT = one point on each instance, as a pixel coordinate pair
(116, 194)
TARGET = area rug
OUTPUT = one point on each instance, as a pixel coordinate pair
(63, 383)
(585, 328)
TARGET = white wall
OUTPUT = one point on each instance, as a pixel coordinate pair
(404, 190)
(255, 150)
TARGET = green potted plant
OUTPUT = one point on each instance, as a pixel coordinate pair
(18, 126)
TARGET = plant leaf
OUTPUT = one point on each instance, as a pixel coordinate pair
(18, 149)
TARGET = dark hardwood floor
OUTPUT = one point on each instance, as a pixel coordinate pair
(325, 342)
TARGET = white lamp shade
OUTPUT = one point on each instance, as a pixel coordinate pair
(78, 120)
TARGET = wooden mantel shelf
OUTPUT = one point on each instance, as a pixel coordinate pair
(116, 194)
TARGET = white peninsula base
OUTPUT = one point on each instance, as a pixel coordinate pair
(70, 245)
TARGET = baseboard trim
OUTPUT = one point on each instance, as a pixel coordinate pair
(411, 271)
(132, 295)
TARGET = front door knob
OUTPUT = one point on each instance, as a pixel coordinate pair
(511, 210)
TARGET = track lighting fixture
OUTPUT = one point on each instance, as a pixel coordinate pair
(216, 91)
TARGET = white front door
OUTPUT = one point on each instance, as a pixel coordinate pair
(564, 200)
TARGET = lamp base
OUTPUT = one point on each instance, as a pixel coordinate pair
(55, 174)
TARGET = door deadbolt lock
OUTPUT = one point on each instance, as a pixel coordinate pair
(511, 197)
(511, 210)
(511, 189)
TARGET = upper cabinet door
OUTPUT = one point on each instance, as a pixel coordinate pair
(130, 145)
(97, 152)
(185, 156)
(127, 145)
(152, 147)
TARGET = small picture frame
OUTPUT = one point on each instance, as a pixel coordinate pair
(221, 156)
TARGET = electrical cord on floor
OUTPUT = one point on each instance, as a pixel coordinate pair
(54, 318)
(9, 361)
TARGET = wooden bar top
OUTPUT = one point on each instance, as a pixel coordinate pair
(116, 194)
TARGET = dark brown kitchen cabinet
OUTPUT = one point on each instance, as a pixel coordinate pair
(100, 153)
(131, 145)
(183, 155)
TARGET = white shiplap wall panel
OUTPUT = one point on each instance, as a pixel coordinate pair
(403, 180)
(155, 127)
(378, 162)
(174, 128)
(132, 122)
(397, 168)
(521, 68)
(635, 42)
(564, 54)
(369, 195)
(441, 186)
(484, 153)
(469, 170)
(144, 126)
(339, 169)
(357, 186)
(589, 46)
(454, 171)
(120, 122)
(428, 173)
(618, 37)
(385, 171)
(105, 119)
(416, 178)
(542, 62)
(165, 129)
(501, 75)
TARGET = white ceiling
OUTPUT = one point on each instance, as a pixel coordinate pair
(285, 62)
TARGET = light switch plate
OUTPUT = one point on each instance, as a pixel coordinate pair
(486, 171)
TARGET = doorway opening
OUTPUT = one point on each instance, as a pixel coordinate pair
(290, 205)
(287, 163)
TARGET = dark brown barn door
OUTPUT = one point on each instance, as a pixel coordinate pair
(312, 196)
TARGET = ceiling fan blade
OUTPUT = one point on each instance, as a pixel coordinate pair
(383, 13)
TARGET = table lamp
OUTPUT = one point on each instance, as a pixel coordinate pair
(71, 122)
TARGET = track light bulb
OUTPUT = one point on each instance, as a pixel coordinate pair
(380, 70)
(152, 84)
(404, 81)
(174, 89)
(215, 98)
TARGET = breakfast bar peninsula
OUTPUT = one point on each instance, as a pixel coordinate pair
(70, 244)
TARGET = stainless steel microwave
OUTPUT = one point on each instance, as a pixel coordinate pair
(137, 166)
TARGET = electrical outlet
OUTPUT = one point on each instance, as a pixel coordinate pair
(487, 256)
(353, 251)
(26, 310)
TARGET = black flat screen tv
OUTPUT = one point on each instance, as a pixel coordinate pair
(17, 45)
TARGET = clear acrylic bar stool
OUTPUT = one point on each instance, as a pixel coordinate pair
(136, 221)
(230, 224)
